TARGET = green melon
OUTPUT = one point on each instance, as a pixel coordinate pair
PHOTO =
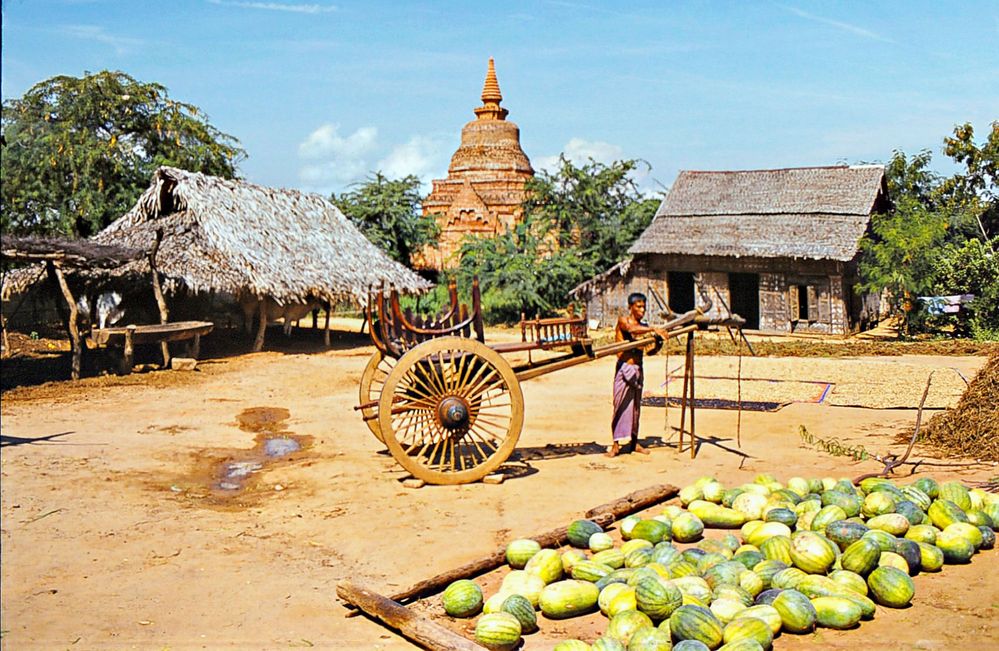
(696, 623)
(787, 578)
(716, 516)
(613, 558)
(623, 625)
(928, 485)
(765, 613)
(931, 558)
(924, 533)
(749, 558)
(844, 533)
(894, 523)
(600, 541)
(877, 503)
(664, 553)
(621, 575)
(909, 550)
(687, 527)
(751, 582)
(498, 631)
(767, 569)
(815, 585)
(650, 639)
(955, 491)
(724, 573)
(944, 513)
(638, 557)
(546, 564)
(521, 608)
(568, 598)
(733, 592)
(777, 548)
(988, 538)
(690, 645)
(966, 530)
(955, 547)
(627, 524)
(741, 645)
(836, 612)
(917, 497)
(861, 557)
(590, 571)
(657, 598)
(569, 559)
(579, 533)
(850, 580)
(524, 584)
(463, 598)
(912, 513)
(884, 540)
(811, 553)
(796, 611)
(826, 516)
(748, 628)
(782, 515)
(608, 594)
(519, 551)
(767, 530)
(891, 587)
(608, 644)
(851, 503)
(654, 531)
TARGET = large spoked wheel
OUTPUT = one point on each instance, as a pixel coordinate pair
(451, 411)
(372, 382)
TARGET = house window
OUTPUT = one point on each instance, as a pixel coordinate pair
(803, 301)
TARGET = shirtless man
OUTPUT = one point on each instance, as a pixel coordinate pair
(628, 378)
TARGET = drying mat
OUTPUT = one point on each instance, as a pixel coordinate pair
(884, 383)
(714, 403)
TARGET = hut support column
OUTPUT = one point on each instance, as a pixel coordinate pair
(326, 335)
(74, 331)
(258, 343)
(158, 293)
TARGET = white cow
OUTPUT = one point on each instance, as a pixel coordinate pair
(291, 313)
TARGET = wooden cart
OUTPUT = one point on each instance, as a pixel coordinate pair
(449, 407)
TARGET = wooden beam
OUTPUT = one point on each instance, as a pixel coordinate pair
(158, 293)
(604, 515)
(421, 630)
(71, 325)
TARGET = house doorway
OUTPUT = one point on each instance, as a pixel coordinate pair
(680, 288)
(744, 291)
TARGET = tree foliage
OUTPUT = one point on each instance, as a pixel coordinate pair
(78, 152)
(940, 238)
(578, 221)
(388, 213)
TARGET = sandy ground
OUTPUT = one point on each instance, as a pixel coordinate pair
(113, 536)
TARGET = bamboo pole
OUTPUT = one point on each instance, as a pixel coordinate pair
(693, 398)
(421, 630)
(71, 324)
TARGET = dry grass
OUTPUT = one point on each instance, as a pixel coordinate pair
(971, 428)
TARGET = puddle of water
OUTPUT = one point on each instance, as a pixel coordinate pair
(273, 443)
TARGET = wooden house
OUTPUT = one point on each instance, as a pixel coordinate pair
(778, 247)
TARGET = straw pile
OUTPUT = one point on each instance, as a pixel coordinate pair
(971, 428)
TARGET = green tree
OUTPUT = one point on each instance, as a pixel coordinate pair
(975, 190)
(388, 213)
(971, 268)
(594, 209)
(78, 152)
(577, 221)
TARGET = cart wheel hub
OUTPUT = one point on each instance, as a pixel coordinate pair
(453, 413)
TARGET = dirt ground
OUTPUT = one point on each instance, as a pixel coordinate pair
(115, 534)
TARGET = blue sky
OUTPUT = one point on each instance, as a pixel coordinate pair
(322, 92)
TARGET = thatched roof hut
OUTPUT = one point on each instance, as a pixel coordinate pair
(779, 247)
(817, 213)
(233, 236)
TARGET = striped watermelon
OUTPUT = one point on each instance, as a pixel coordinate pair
(546, 564)
(498, 631)
(613, 558)
(894, 523)
(590, 571)
(623, 625)
(607, 644)
(687, 527)
(696, 623)
(931, 557)
(579, 533)
(816, 585)
(811, 553)
(891, 587)
(600, 541)
(748, 628)
(654, 531)
(519, 551)
(765, 613)
(463, 598)
(650, 639)
(954, 491)
(796, 611)
(522, 609)
(836, 612)
(944, 513)
(657, 598)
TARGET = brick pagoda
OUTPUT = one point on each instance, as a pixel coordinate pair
(484, 188)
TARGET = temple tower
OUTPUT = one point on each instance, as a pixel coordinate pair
(484, 188)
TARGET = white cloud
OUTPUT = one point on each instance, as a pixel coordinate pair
(276, 6)
(336, 161)
(840, 25)
(579, 151)
(421, 156)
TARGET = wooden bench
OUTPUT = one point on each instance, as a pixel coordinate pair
(128, 337)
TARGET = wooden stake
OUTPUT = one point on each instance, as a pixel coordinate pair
(128, 356)
(421, 630)
(258, 343)
(326, 334)
(604, 515)
(158, 293)
(71, 325)
(693, 398)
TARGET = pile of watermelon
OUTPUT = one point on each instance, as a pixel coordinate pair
(809, 553)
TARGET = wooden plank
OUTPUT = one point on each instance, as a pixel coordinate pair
(604, 515)
(153, 334)
(421, 630)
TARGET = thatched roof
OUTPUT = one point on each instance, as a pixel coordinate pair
(67, 252)
(812, 212)
(233, 236)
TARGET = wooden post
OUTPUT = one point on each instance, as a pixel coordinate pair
(684, 397)
(71, 325)
(195, 350)
(326, 334)
(158, 293)
(428, 634)
(258, 343)
(693, 398)
(128, 356)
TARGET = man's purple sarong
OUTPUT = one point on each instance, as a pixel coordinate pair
(627, 401)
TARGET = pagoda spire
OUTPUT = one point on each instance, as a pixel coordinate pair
(491, 97)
